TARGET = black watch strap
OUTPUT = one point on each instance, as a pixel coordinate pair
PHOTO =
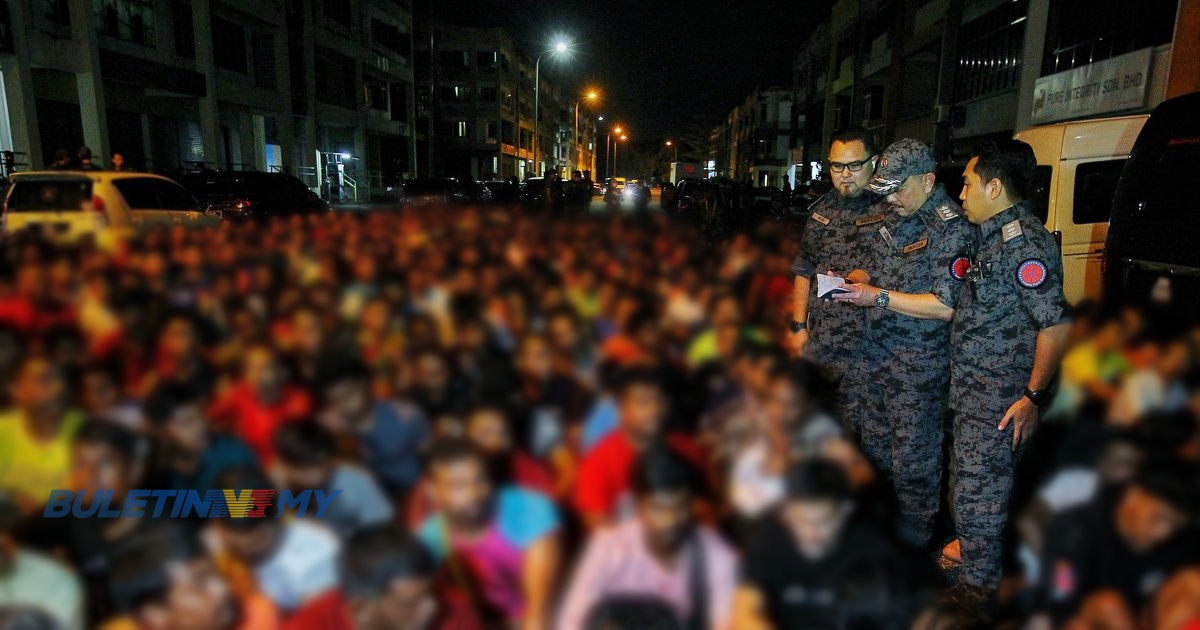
(1039, 397)
(798, 326)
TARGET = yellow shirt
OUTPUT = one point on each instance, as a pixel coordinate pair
(30, 468)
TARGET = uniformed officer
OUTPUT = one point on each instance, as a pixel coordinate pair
(1006, 342)
(837, 238)
(916, 280)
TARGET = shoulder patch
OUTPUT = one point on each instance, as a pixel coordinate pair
(1032, 273)
(1011, 230)
(870, 220)
(912, 247)
(959, 267)
(820, 218)
(947, 213)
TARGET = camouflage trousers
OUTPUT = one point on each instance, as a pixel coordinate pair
(901, 433)
(981, 474)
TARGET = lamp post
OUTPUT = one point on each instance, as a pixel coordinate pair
(560, 47)
(576, 155)
(675, 147)
(618, 141)
(608, 150)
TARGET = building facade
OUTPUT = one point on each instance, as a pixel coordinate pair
(759, 136)
(956, 72)
(176, 85)
(478, 93)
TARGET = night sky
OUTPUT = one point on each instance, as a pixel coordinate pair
(659, 63)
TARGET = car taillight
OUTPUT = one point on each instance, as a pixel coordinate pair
(99, 211)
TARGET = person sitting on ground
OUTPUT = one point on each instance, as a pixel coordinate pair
(662, 551)
(499, 546)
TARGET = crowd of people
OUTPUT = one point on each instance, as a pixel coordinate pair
(552, 422)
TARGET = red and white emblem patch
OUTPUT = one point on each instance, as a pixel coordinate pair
(1032, 273)
(958, 268)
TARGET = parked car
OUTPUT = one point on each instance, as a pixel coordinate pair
(68, 204)
(440, 191)
(535, 193)
(246, 195)
(1079, 164)
(1150, 256)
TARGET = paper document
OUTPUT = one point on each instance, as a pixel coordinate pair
(829, 286)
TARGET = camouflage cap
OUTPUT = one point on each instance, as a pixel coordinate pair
(902, 159)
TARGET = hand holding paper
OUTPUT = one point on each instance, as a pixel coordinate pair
(829, 286)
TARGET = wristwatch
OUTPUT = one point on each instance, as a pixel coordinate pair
(883, 299)
(1039, 396)
(798, 326)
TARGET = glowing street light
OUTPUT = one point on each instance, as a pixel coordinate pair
(560, 47)
(591, 95)
(676, 149)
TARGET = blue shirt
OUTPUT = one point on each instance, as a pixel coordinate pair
(391, 444)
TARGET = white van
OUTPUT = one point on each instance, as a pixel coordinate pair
(68, 204)
(1085, 159)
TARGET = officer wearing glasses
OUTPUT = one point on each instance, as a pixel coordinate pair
(837, 238)
(917, 279)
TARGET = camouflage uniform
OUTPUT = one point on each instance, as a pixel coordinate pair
(838, 238)
(1015, 291)
(921, 253)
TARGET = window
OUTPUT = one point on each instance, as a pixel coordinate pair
(185, 34)
(508, 98)
(462, 129)
(399, 101)
(335, 79)
(504, 62)
(387, 37)
(990, 51)
(487, 95)
(376, 95)
(456, 93)
(1095, 187)
(873, 102)
(1110, 28)
(264, 59)
(491, 131)
(487, 59)
(337, 11)
(127, 20)
(454, 58)
(229, 45)
(147, 193)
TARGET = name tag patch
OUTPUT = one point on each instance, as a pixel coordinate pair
(820, 218)
(1011, 230)
(912, 247)
(871, 220)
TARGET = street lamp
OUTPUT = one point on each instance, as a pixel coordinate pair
(619, 140)
(577, 154)
(608, 148)
(675, 147)
(560, 47)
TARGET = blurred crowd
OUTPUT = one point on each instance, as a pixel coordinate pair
(535, 422)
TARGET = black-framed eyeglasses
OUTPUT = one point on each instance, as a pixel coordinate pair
(838, 167)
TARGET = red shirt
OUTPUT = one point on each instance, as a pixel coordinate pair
(327, 612)
(604, 474)
(255, 422)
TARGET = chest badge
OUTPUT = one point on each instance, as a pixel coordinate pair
(1011, 230)
(947, 213)
(887, 236)
(1032, 273)
(959, 268)
(820, 218)
(912, 247)
(870, 220)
